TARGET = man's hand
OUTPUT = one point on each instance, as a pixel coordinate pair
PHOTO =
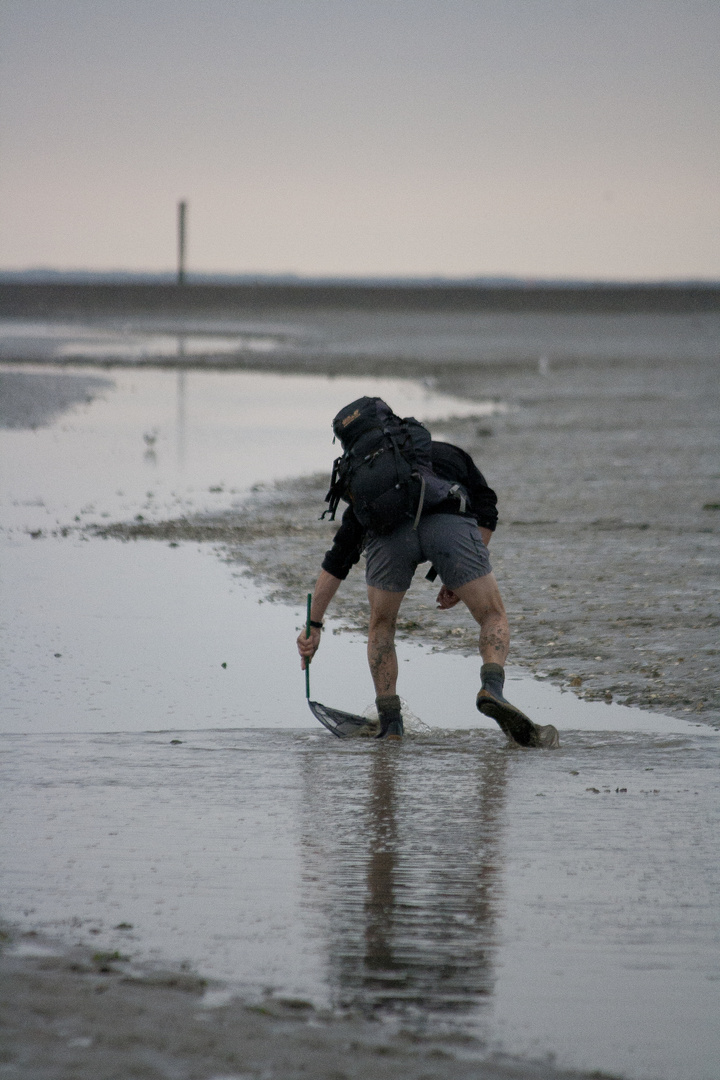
(325, 588)
(446, 598)
(308, 646)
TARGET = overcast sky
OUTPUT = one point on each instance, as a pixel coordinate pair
(542, 138)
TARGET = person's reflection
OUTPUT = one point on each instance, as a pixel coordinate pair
(411, 875)
(380, 900)
(181, 423)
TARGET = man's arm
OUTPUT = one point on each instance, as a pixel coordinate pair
(346, 546)
(336, 565)
(452, 463)
(325, 588)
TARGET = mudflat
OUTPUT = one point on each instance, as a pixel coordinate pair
(605, 460)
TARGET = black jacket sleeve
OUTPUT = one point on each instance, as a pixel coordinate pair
(346, 548)
(452, 463)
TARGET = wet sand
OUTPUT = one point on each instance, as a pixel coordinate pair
(79, 1016)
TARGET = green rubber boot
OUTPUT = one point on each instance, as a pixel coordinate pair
(517, 726)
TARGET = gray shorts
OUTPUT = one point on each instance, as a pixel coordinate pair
(451, 543)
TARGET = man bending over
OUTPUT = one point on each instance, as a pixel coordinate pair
(451, 529)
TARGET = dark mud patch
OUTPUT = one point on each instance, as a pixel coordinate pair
(64, 1018)
(31, 399)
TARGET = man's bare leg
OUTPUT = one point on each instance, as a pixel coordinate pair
(382, 658)
(483, 600)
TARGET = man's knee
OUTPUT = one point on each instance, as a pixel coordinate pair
(384, 607)
(482, 598)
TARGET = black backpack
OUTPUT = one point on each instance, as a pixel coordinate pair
(386, 471)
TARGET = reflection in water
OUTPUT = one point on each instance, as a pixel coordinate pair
(181, 415)
(150, 438)
(380, 898)
(406, 845)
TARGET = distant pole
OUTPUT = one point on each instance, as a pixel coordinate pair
(182, 217)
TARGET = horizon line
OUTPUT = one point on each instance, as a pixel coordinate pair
(48, 275)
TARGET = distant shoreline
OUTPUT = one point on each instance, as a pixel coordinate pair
(63, 299)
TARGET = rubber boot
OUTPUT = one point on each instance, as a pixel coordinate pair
(391, 724)
(517, 726)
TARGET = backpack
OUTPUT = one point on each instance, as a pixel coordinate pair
(386, 471)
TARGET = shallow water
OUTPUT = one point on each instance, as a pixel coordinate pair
(451, 881)
(164, 442)
(555, 903)
(104, 636)
(431, 337)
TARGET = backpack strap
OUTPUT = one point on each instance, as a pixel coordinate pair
(405, 430)
(337, 483)
(421, 500)
(459, 494)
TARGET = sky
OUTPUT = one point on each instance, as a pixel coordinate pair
(530, 138)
